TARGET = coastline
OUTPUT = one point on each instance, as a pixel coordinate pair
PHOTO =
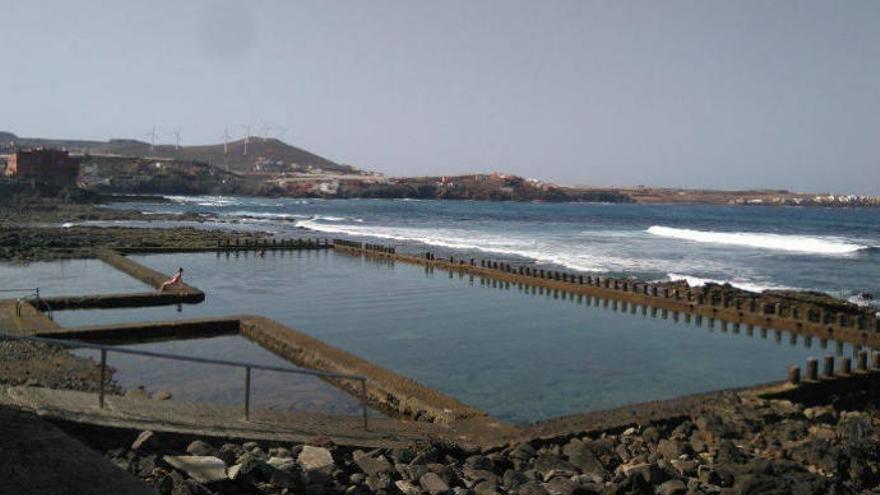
(707, 443)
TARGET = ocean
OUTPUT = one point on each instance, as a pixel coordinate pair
(833, 250)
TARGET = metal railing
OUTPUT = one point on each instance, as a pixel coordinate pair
(35, 293)
(222, 362)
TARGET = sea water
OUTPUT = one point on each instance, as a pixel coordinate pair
(834, 250)
(522, 354)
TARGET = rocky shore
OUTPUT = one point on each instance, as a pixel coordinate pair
(31, 230)
(733, 444)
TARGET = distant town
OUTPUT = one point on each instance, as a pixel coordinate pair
(269, 167)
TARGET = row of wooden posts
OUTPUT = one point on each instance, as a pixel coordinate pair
(698, 295)
(828, 369)
(266, 243)
(365, 246)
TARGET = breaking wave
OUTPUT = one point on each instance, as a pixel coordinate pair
(738, 283)
(779, 242)
(574, 257)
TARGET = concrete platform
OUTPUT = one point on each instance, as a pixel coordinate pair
(221, 421)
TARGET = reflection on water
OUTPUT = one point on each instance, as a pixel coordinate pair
(520, 352)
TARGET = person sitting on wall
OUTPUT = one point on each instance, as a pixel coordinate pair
(176, 280)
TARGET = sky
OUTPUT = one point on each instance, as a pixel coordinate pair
(781, 94)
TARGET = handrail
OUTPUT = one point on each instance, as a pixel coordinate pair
(222, 362)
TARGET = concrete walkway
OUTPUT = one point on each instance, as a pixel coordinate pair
(221, 421)
(39, 459)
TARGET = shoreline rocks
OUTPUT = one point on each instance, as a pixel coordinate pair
(729, 445)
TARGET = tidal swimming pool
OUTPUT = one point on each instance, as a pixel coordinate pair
(519, 355)
(215, 384)
(67, 277)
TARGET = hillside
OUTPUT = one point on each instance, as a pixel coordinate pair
(262, 153)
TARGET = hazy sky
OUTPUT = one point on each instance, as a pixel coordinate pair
(692, 93)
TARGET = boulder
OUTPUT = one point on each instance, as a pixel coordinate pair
(407, 488)
(672, 487)
(728, 453)
(433, 484)
(671, 449)
(282, 463)
(562, 486)
(584, 459)
(201, 448)
(315, 458)
(146, 440)
(486, 488)
(229, 452)
(532, 488)
(203, 469)
(513, 479)
(374, 465)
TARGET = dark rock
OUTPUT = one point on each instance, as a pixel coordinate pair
(650, 434)
(415, 472)
(584, 459)
(523, 452)
(648, 474)
(374, 465)
(563, 486)
(553, 462)
(146, 441)
(164, 485)
(433, 484)
(146, 465)
(855, 428)
(229, 452)
(284, 479)
(513, 479)
(403, 456)
(672, 487)
(406, 487)
(379, 483)
(201, 448)
(671, 449)
(479, 462)
(477, 475)
(532, 488)
(315, 490)
(728, 453)
(486, 488)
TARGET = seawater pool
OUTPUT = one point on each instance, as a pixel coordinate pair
(215, 384)
(520, 356)
(67, 277)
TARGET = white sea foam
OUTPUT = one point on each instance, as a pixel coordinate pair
(265, 215)
(744, 284)
(791, 243)
(573, 255)
(204, 200)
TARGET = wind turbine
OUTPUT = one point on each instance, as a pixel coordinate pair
(176, 134)
(266, 128)
(152, 135)
(226, 137)
(247, 137)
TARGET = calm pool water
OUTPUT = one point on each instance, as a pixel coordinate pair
(519, 355)
(222, 384)
(69, 277)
